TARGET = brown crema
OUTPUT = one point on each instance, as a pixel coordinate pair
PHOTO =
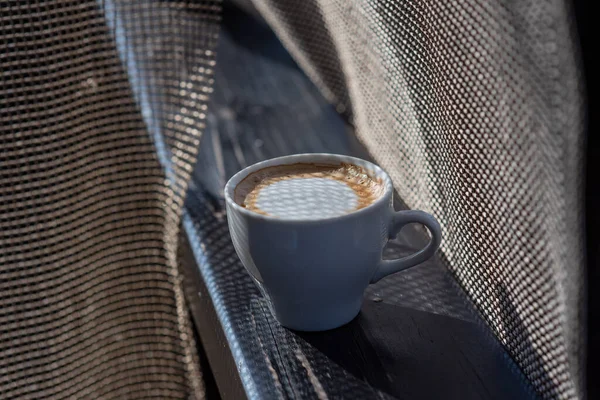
(366, 188)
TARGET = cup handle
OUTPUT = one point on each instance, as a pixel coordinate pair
(398, 220)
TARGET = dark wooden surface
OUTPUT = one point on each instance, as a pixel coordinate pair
(417, 336)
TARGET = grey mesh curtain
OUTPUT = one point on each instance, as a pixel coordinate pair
(102, 106)
(474, 107)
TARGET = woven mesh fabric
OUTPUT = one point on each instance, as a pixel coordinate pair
(475, 110)
(101, 108)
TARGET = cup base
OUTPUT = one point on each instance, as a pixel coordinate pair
(319, 321)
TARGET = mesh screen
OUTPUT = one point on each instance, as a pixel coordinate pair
(101, 107)
(474, 108)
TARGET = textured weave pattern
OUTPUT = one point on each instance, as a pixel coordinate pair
(474, 108)
(92, 176)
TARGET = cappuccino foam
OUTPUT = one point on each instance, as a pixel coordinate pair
(308, 190)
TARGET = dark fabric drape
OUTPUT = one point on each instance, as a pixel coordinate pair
(475, 108)
(101, 109)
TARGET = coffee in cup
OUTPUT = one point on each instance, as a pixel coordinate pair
(308, 190)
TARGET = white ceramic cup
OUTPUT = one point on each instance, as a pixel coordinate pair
(314, 271)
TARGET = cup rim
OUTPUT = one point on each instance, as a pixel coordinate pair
(299, 158)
